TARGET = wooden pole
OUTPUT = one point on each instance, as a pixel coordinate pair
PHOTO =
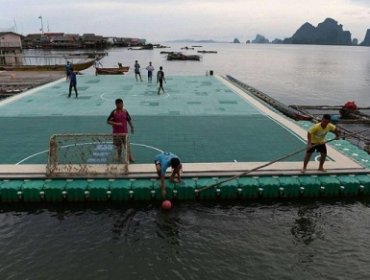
(269, 163)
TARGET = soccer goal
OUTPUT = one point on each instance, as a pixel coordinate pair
(88, 155)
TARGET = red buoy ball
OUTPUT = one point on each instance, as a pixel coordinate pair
(166, 204)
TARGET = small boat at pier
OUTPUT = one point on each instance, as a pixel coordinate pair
(50, 67)
(144, 47)
(120, 70)
(343, 113)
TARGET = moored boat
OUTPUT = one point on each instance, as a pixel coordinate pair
(111, 70)
(181, 56)
(360, 115)
(145, 47)
(207, 51)
(165, 52)
(56, 67)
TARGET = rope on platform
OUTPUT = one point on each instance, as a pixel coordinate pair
(271, 162)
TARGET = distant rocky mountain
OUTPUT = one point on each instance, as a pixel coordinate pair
(329, 32)
(260, 39)
(366, 41)
(277, 41)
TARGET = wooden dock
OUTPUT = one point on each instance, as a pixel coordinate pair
(15, 82)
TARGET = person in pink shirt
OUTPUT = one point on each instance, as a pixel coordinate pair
(118, 119)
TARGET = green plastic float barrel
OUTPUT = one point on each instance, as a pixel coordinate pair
(11, 190)
(364, 181)
(171, 188)
(185, 190)
(99, 189)
(77, 190)
(269, 187)
(210, 193)
(310, 186)
(248, 187)
(142, 189)
(349, 185)
(54, 190)
(290, 187)
(332, 186)
(121, 189)
(229, 189)
(33, 190)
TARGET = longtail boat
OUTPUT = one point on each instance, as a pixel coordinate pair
(112, 70)
(56, 67)
(207, 51)
(181, 56)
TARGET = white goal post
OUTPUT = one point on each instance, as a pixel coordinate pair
(80, 154)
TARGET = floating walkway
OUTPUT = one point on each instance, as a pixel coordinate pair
(218, 129)
(254, 187)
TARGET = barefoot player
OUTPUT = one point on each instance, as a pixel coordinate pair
(118, 119)
(164, 160)
(316, 140)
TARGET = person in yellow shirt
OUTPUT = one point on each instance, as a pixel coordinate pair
(316, 140)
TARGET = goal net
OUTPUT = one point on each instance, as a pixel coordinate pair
(72, 155)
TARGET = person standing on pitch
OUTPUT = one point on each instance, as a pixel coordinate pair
(160, 80)
(137, 71)
(118, 119)
(72, 83)
(316, 141)
(150, 70)
(68, 69)
(164, 160)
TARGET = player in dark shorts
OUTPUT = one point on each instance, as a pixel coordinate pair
(316, 141)
(119, 118)
(160, 80)
(137, 71)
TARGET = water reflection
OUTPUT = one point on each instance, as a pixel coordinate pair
(122, 222)
(306, 227)
(145, 223)
(167, 227)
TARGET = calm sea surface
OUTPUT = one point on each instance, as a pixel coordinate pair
(237, 240)
(294, 74)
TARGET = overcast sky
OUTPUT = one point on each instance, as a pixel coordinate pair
(160, 20)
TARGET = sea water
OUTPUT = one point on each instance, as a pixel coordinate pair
(233, 240)
(293, 74)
